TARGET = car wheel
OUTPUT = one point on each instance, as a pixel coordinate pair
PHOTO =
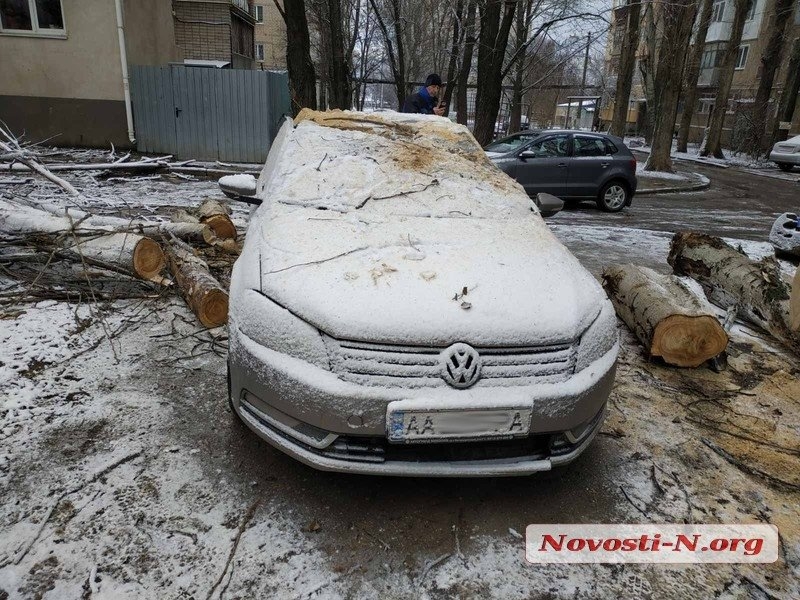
(785, 166)
(613, 197)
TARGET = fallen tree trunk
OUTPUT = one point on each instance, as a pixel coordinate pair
(666, 317)
(123, 252)
(216, 215)
(16, 218)
(794, 302)
(204, 295)
(730, 278)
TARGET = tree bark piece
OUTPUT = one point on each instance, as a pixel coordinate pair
(730, 278)
(202, 292)
(666, 317)
(215, 215)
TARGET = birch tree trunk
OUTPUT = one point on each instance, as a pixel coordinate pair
(713, 140)
(202, 292)
(730, 279)
(664, 315)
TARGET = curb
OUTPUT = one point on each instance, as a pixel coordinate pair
(703, 184)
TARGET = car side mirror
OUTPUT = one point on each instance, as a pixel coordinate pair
(239, 187)
(527, 154)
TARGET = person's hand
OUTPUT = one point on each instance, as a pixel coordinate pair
(439, 110)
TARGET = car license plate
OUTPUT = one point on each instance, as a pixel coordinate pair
(405, 426)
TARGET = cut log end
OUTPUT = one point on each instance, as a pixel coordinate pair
(212, 309)
(688, 341)
(148, 259)
(222, 226)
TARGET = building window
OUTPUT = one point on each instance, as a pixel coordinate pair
(259, 13)
(706, 105)
(259, 51)
(718, 10)
(741, 56)
(751, 11)
(712, 56)
(41, 17)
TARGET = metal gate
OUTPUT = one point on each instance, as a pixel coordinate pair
(208, 114)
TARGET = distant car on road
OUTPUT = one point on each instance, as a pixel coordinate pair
(572, 165)
(786, 154)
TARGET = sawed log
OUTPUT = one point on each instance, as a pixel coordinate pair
(665, 316)
(203, 293)
(730, 278)
(124, 252)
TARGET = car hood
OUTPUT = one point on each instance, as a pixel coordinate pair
(426, 280)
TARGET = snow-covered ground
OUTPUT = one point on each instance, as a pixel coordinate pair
(124, 475)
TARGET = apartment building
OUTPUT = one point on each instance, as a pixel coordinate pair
(219, 31)
(64, 66)
(759, 22)
(270, 35)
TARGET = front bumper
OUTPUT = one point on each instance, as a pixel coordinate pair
(333, 425)
(789, 158)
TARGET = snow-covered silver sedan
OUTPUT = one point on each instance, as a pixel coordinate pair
(401, 308)
(786, 154)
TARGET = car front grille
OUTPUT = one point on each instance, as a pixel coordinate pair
(419, 366)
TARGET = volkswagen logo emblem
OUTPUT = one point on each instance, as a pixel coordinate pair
(461, 365)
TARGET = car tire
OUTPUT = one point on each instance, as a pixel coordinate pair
(613, 197)
(785, 166)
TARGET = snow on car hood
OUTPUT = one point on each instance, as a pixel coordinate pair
(369, 238)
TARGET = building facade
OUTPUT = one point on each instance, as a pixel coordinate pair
(62, 73)
(757, 28)
(270, 36)
(215, 30)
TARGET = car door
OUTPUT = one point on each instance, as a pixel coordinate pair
(542, 165)
(588, 166)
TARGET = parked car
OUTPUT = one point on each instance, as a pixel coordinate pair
(573, 165)
(401, 308)
(786, 154)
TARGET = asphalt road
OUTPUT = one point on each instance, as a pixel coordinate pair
(739, 205)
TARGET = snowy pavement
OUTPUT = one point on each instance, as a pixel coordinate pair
(123, 474)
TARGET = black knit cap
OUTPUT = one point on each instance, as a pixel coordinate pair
(433, 79)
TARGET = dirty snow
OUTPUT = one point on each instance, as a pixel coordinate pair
(124, 460)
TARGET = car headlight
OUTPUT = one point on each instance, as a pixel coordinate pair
(599, 338)
(268, 323)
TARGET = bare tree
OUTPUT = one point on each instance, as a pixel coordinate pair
(458, 35)
(678, 17)
(393, 38)
(649, 60)
(627, 63)
(302, 78)
(693, 73)
(791, 86)
(712, 143)
(466, 62)
(496, 18)
(770, 59)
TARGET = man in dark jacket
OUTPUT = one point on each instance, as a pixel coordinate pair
(426, 100)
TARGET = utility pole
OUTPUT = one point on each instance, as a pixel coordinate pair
(583, 80)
